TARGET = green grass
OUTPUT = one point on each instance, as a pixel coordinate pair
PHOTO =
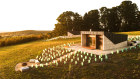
(129, 33)
(124, 65)
(11, 55)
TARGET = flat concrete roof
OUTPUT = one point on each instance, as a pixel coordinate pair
(98, 32)
(93, 32)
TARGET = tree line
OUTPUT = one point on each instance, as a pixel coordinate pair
(7, 41)
(122, 18)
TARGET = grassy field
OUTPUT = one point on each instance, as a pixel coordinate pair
(18, 37)
(124, 65)
(11, 55)
(129, 33)
(22, 33)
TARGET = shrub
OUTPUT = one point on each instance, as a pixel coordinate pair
(19, 39)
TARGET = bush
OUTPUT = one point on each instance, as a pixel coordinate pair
(22, 39)
(19, 39)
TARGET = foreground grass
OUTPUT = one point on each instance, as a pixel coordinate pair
(11, 55)
(129, 33)
(124, 65)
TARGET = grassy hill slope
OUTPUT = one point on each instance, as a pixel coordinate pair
(124, 65)
(21, 33)
(11, 55)
(129, 33)
(11, 38)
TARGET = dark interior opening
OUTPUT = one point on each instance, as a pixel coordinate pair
(99, 42)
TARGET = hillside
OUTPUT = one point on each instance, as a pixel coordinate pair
(11, 38)
(127, 61)
(22, 33)
(129, 33)
(11, 55)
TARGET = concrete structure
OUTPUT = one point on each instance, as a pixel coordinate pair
(78, 48)
(24, 68)
(73, 33)
(102, 40)
(26, 65)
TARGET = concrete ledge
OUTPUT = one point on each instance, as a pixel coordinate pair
(20, 67)
(96, 51)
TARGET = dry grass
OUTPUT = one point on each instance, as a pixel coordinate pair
(129, 33)
(11, 55)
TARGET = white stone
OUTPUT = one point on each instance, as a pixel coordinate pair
(24, 68)
(32, 60)
(36, 61)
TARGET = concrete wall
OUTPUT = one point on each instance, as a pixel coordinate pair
(69, 34)
(83, 39)
(108, 44)
(93, 32)
(110, 40)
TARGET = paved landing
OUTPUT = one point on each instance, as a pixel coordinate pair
(97, 52)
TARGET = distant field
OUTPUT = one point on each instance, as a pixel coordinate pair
(11, 38)
(129, 33)
(22, 33)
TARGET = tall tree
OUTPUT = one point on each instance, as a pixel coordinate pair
(110, 20)
(138, 20)
(128, 14)
(114, 21)
(67, 21)
(91, 20)
(77, 22)
(104, 18)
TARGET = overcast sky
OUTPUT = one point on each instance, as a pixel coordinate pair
(16, 15)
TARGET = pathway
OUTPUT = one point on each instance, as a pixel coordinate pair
(97, 52)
